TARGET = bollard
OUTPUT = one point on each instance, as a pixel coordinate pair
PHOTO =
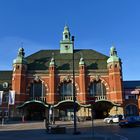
(2, 121)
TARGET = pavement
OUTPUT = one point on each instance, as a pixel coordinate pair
(36, 130)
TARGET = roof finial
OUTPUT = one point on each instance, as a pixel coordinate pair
(52, 59)
(81, 59)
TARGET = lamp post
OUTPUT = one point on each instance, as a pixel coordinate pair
(6, 89)
(74, 95)
(50, 114)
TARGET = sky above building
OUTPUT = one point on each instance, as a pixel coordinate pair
(96, 24)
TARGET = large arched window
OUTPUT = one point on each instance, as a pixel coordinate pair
(66, 88)
(37, 89)
(97, 88)
(131, 110)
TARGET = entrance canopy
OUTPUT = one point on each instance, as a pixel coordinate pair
(66, 104)
(33, 102)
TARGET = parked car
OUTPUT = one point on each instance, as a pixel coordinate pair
(130, 121)
(113, 119)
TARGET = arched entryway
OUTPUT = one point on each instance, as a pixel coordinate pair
(102, 106)
(64, 110)
(33, 110)
(131, 110)
(101, 109)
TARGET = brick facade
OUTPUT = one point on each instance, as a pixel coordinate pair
(52, 76)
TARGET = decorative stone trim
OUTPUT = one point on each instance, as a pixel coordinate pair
(98, 77)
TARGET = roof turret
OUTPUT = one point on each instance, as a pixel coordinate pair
(20, 57)
(113, 55)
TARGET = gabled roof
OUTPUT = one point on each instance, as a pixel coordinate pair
(41, 60)
(131, 84)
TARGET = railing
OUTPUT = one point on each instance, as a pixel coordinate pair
(98, 98)
(62, 98)
(43, 99)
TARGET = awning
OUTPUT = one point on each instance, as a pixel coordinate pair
(33, 101)
(135, 92)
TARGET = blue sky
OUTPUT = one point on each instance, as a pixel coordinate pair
(96, 24)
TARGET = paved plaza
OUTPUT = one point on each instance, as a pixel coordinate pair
(37, 131)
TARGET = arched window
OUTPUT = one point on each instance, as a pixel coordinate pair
(37, 89)
(131, 110)
(97, 88)
(66, 89)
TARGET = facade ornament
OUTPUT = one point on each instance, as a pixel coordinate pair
(67, 79)
(52, 60)
(81, 61)
(5, 85)
(37, 79)
(97, 77)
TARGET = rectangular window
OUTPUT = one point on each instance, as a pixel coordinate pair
(134, 97)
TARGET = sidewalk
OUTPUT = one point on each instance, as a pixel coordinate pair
(35, 130)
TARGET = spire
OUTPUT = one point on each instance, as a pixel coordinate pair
(113, 55)
(66, 33)
(66, 44)
(20, 57)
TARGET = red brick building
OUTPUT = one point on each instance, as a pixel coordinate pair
(43, 81)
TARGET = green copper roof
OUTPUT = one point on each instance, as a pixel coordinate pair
(52, 62)
(81, 61)
(113, 59)
(20, 58)
(113, 55)
(41, 60)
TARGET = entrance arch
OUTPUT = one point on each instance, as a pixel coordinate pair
(33, 110)
(98, 88)
(102, 108)
(65, 109)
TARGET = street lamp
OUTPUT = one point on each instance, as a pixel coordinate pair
(74, 95)
(6, 89)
